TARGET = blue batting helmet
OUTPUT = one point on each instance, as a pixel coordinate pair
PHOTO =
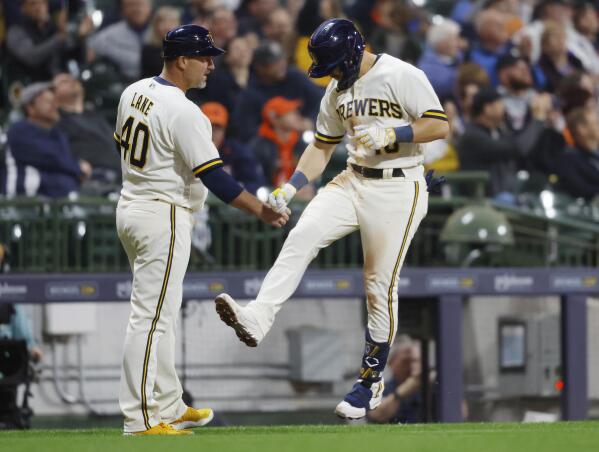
(189, 40)
(336, 43)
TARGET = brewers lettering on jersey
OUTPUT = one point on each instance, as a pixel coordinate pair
(387, 108)
(168, 165)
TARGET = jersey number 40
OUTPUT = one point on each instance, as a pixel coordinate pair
(137, 150)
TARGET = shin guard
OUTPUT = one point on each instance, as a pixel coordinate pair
(374, 360)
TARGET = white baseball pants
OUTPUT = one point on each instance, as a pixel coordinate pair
(386, 211)
(157, 239)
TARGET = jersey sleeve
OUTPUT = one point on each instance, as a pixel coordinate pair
(417, 95)
(192, 137)
(329, 128)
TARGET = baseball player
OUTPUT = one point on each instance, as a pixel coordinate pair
(168, 164)
(387, 107)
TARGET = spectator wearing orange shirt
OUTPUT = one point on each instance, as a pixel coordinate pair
(278, 143)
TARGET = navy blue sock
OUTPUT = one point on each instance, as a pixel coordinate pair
(373, 361)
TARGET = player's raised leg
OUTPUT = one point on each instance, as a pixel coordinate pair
(329, 216)
(387, 224)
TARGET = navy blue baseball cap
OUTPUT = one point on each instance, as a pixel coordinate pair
(189, 40)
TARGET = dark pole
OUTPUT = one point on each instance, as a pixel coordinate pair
(574, 398)
(449, 359)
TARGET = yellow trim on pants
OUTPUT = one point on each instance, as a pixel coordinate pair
(169, 261)
(398, 261)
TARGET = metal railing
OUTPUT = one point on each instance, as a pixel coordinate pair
(72, 236)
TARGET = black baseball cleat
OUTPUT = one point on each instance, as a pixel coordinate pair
(237, 317)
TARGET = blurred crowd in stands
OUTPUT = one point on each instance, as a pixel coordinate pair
(517, 78)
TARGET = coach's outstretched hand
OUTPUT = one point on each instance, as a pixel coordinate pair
(276, 219)
(280, 197)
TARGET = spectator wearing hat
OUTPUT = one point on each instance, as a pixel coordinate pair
(165, 18)
(121, 42)
(39, 159)
(441, 57)
(578, 166)
(272, 77)
(486, 145)
(238, 159)
(89, 133)
(278, 144)
(230, 77)
(516, 89)
(37, 47)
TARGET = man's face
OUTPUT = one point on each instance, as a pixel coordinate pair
(44, 108)
(555, 45)
(223, 25)
(262, 8)
(36, 10)
(450, 47)
(405, 362)
(239, 53)
(272, 72)
(519, 76)
(587, 22)
(289, 121)
(196, 70)
(66, 88)
(136, 12)
(495, 111)
(279, 25)
(558, 13)
(166, 24)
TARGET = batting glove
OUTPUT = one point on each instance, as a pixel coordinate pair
(373, 138)
(280, 197)
(433, 184)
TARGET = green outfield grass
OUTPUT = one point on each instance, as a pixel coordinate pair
(562, 437)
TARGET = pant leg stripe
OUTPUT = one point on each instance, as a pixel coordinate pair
(169, 261)
(398, 261)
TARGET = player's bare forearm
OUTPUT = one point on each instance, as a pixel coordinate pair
(315, 159)
(250, 204)
(429, 129)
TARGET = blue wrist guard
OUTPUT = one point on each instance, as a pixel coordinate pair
(298, 180)
(404, 134)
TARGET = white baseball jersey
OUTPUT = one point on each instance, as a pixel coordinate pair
(165, 141)
(391, 94)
